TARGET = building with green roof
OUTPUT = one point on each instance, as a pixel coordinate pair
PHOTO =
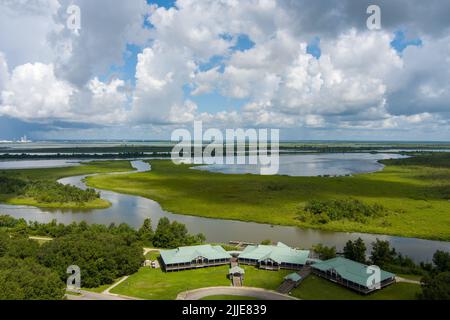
(294, 277)
(276, 257)
(194, 257)
(353, 275)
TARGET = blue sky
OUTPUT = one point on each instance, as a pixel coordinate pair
(206, 60)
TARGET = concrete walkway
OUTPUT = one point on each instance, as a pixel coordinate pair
(400, 279)
(258, 293)
(114, 285)
(105, 295)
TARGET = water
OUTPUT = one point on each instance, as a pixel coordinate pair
(133, 210)
(333, 164)
(35, 164)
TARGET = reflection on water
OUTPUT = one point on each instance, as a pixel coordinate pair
(133, 210)
(309, 165)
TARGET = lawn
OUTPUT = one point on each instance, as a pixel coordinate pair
(415, 197)
(315, 288)
(258, 278)
(101, 288)
(153, 284)
(54, 174)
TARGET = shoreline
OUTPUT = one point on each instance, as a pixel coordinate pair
(267, 221)
(91, 205)
(167, 205)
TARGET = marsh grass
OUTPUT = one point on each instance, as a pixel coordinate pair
(416, 207)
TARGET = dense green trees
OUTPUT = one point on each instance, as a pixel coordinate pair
(388, 259)
(11, 185)
(436, 284)
(382, 255)
(426, 159)
(355, 250)
(103, 253)
(49, 192)
(175, 234)
(145, 232)
(324, 211)
(45, 191)
(21, 275)
(102, 257)
(436, 287)
(167, 235)
(325, 252)
(441, 261)
(26, 279)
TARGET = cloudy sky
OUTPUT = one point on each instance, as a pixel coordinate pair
(139, 69)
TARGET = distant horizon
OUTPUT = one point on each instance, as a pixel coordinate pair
(6, 141)
(142, 69)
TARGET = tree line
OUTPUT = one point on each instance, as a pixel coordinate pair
(45, 191)
(29, 270)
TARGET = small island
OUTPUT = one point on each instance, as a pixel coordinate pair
(40, 187)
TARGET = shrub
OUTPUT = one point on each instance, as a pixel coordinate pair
(324, 211)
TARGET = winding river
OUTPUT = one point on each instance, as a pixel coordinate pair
(134, 209)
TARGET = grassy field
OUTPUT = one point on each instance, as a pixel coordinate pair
(93, 204)
(315, 288)
(415, 196)
(153, 284)
(101, 288)
(63, 172)
(54, 174)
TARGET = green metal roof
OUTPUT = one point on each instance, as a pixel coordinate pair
(313, 260)
(237, 252)
(279, 253)
(293, 277)
(188, 254)
(236, 269)
(350, 270)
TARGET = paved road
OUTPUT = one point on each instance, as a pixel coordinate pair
(233, 291)
(87, 295)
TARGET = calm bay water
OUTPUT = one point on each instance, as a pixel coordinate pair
(33, 164)
(310, 165)
(133, 210)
